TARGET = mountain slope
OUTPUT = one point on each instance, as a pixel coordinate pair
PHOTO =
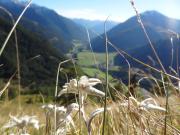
(59, 30)
(145, 54)
(35, 71)
(129, 35)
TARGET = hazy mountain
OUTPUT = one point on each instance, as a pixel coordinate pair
(87, 23)
(60, 31)
(96, 25)
(129, 35)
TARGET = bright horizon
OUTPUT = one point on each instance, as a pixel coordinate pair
(117, 10)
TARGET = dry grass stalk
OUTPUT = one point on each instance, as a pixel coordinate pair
(17, 55)
(13, 28)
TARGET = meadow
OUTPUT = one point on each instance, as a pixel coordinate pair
(95, 67)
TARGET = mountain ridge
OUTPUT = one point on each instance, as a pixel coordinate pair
(129, 35)
(60, 30)
(96, 26)
(35, 71)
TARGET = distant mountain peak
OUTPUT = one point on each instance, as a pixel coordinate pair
(18, 2)
(156, 24)
(14, 1)
(152, 13)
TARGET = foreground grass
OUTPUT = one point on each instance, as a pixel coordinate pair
(29, 106)
(121, 120)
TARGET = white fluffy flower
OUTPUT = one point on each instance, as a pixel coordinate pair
(51, 108)
(84, 86)
(68, 110)
(147, 104)
(22, 122)
(63, 115)
(150, 104)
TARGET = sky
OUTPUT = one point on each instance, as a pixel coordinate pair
(117, 10)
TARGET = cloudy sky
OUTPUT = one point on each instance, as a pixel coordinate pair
(118, 10)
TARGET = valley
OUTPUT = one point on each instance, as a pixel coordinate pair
(58, 77)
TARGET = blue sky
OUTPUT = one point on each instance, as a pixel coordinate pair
(118, 10)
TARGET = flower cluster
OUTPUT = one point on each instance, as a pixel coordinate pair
(84, 87)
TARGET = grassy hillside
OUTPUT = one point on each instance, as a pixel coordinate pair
(91, 68)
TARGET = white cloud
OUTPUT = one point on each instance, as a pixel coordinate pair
(89, 14)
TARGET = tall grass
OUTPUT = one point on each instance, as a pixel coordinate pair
(146, 34)
(15, 23)
(13, 28)
(56, 91)
(107, 78)
(164, 126)
(17, 54)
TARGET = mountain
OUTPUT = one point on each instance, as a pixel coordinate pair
(39, 58)
(96, 25)
(129, 35)
(35, 70)
(87, 23)
(59, 30)
(145, 54)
